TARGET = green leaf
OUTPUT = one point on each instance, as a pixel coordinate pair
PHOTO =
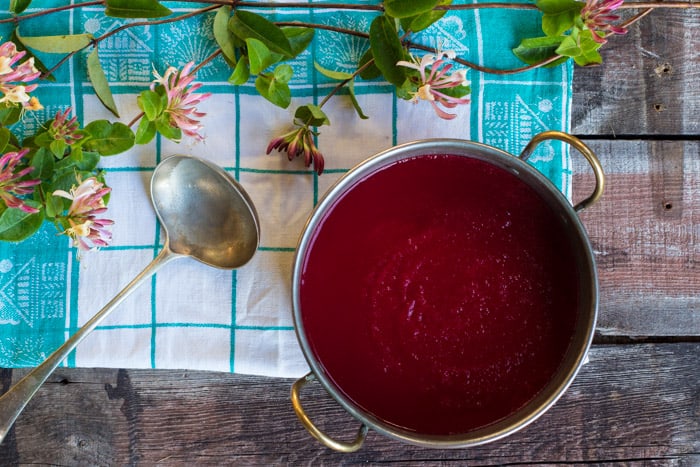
(535, 50)
(108, 138)
(135, 9)
(387, 49)
(332, 74)
(99, 82)
(559, 15)
(457, 91)
(58, 148)
(424, 20)
(589, 57)
(299, 38)
(241, 72)
(5, 137)
(258, 55)
(18, 6)
(222, 35)
(54, 205)
(246, 25)
(145, 132)
(283, 73)
(557, 6)
(43, 162)
(370, 71)
(342, 76)
(43, 139)
(58, 44)
(151, 103)
(407, 8)
(274, 91)
(312, 115)
(589, 50)
(14, 37)
(353, 100)
(166, 130)
(17, 225)
(568, 47)
(10, 114)
(84, 161)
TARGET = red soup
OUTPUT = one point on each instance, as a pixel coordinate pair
(439, 294)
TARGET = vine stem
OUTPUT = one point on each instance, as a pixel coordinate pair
(344, 6)
(48, 11)
(123, 27)
(471, 6)
(412, 45)
(344, 82)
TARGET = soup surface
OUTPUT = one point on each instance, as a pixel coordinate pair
(439, 294)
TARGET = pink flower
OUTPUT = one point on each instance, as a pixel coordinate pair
(434, 76)
(11, 183)
(182, 99)
(12, 92)
(596, 16)
(296, 143)
(87, 231)
(63, 129)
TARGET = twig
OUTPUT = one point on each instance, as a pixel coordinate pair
(412, 45)
(48, 11)
(97, 40)
(344, 82)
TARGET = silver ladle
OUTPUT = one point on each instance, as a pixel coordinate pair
(206, 215)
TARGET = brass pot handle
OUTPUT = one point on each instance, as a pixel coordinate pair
(314, 430)
(584, 150)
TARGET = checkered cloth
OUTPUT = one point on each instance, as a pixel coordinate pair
(194, 317)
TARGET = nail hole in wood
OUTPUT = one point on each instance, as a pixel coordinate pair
(659, 107)
(668, 205)
(665, 69)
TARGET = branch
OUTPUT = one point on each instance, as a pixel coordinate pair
(97, 40)
(48, 11)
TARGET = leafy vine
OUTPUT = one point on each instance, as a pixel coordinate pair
(54, 175)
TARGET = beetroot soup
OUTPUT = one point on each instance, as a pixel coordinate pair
(439, 293)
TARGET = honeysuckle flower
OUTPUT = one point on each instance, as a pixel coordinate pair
(297, 142)
(11, 76)
(597, 18)
(435, 75)
(182, 100)
(11, 184)
(64, 129)
(85, 228)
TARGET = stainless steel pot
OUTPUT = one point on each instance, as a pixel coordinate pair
(584, 331)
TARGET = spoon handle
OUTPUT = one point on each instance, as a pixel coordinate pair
(15, 399)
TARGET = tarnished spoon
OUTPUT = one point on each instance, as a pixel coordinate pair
(206, 215)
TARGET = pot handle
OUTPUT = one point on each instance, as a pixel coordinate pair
(584, 150)
(313, 429)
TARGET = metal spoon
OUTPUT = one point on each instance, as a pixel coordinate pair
(206, 215)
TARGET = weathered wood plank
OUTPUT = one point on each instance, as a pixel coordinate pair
(646, 235)
(647, 84)
(635, 402)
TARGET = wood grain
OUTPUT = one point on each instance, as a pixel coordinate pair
(645, 232)
(647, 84)
(634, 402)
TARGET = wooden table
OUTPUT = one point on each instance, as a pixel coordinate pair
(637, 401)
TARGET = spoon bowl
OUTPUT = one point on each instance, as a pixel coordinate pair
(206, 215)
